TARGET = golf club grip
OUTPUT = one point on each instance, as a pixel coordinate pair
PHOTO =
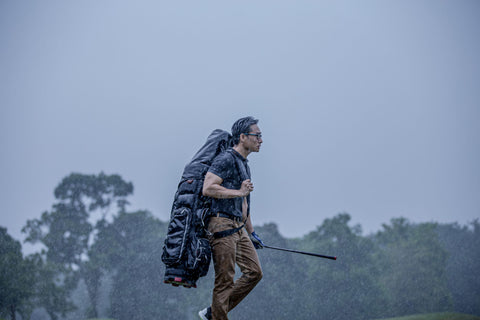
(302, 252)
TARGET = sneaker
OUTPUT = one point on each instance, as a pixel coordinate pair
(205, 314)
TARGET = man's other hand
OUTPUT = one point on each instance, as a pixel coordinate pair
(257, 242)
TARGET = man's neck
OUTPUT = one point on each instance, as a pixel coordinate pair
(243, 151)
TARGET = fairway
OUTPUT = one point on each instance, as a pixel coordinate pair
(438, 316)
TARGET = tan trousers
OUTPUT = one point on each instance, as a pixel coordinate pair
(226, 252)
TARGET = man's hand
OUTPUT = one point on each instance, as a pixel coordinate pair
(257, 242)
(246, 188)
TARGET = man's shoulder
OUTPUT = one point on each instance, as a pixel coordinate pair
(225, 156)
(222, 164)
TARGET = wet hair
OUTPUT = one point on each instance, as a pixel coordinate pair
(242, 126)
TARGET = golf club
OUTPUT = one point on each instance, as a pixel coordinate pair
(302, 252)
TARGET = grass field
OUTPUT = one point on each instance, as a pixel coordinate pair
(438, 316)
(428, 316)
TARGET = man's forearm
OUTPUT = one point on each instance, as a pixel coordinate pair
(220, 192)
(249, 225)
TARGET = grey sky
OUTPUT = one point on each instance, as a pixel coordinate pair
(367, 107)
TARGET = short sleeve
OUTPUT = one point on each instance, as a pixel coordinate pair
(222, 166)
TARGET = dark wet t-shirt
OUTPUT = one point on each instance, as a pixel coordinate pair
(228, 166)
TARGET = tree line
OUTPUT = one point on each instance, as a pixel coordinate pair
(99, 260)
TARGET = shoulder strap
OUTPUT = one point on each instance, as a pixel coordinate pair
(242, 168)
(245, 174)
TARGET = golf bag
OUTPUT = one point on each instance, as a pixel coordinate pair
(186, 250)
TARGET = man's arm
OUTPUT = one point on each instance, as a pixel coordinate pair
(212, 187)
(249, 225)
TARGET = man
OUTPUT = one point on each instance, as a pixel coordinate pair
(229, 184)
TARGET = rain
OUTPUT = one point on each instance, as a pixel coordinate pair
(370, 154)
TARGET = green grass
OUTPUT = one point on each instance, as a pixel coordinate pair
(438, 316)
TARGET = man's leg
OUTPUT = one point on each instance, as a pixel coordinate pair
(223, 254)
(247, 260)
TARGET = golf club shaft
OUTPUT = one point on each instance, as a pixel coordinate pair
(302, 252)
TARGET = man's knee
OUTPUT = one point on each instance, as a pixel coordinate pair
(256, 275)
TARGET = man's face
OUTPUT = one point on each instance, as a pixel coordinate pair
(254, 139)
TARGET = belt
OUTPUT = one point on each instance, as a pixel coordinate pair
(229, 216)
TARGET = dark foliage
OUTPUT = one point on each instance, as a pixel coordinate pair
(405, 268)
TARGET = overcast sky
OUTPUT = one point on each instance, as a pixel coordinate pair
(366, 107)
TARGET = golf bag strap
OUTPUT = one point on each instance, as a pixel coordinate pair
(219, 234)
(226, 233)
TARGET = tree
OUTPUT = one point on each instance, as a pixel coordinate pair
(346, 288)
(130, 249)
(463, 263)
(92, 272)
(414, 268)
(16, 278)
(52, 287)
(67, 232)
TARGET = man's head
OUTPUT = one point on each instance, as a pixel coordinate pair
(246, 131)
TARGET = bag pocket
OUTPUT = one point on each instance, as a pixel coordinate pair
(199, 256)
(176, 242)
